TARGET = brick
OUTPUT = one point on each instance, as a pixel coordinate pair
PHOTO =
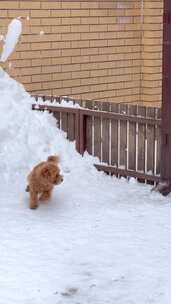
(80, 89)
(50, 21)
(153, 5)
(23, 46)
(100, 43)
(99, 28)
(69, 20)
(90, 20)
(51, 5)
(33, 22)
(60, 13)
(79, 74)
(62, 76)
(71, 67)
(61, 45)
(80, 13)
(89, 51)
(41, 78)
(70, 36)
(80, 59)
(61, 92)
(152, 55)
(29, 5)
(30, 71)
(152, 84)
(51, 69)
(9, 4)
(71, 52)
(41, 46)
(71, 83)
(33, 86)
(17, 13)
(80, 28)
(22, 63)
(51, 53)
(98, 12)
(24, 79)
(80, 44)
(60, 29)
(89, 5)
(151, 70)
(41, 38)
(71, 5)
(4, 14)
(40, 13)
(153, 19)
(41, 62)
(36, 30)
(64, 60)
(150, 77)
(51, 84)
(42, 92)
(153, 12)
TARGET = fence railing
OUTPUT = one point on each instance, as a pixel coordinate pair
(126, 138)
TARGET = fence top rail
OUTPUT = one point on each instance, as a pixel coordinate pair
(118, 116)
(100, 114)
(54, 108)
(113, 107)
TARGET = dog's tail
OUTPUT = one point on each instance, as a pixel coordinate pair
(27, 188)
(53, 159)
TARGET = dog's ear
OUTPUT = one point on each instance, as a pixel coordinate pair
(53, 158)
(45, 172)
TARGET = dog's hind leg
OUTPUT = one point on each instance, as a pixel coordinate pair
(33, 200)
(45, 195)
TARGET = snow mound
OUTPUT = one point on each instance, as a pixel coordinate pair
(27, 136)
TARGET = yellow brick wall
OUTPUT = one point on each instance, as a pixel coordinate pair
(89, 49)
(151, 85)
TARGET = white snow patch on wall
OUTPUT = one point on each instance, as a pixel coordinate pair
(11, 39)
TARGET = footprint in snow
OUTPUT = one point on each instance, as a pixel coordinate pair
(66, 170)
(69, 292)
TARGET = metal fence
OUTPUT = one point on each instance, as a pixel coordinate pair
(126, 138)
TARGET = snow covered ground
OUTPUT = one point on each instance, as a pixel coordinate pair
(100, 240)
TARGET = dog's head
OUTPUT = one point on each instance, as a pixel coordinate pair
(51, 173)
(53, 158)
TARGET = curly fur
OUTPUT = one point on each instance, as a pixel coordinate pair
(42, 179)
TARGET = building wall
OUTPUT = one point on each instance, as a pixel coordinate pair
(105, 50)
(152, 52)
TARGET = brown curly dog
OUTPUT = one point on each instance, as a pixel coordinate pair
(42, 179)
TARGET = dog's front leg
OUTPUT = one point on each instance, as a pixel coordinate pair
(33, 200)
(45, 195)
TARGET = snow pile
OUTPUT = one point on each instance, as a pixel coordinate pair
(63, 103)
(27, 136)
(11, 39)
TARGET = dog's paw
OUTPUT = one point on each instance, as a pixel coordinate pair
(33, 207)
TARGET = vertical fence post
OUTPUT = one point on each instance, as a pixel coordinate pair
(77, 130)
(165, 162)
(82, 128)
